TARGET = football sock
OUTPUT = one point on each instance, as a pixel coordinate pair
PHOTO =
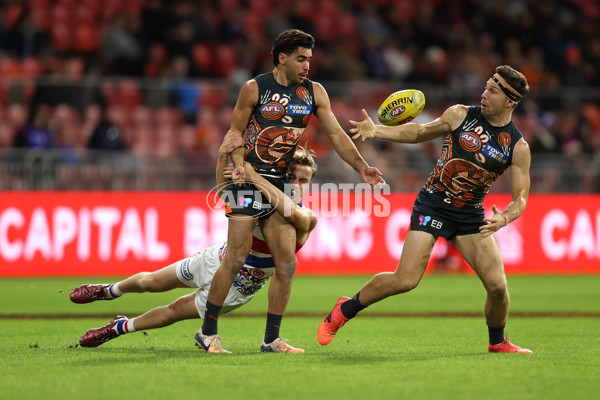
(124, 326)
(113, 290)
(211, 319)
(496, 333)
(351, 307)
(129, 325)
(273, 326)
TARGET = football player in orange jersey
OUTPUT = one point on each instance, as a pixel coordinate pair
(481, 142)
(272, 110)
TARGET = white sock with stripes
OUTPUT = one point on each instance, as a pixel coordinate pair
(124, 326)
(129, 325)
(113, 290)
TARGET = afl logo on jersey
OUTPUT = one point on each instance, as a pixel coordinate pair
(272, 111)
(275, 142)
(469, 141)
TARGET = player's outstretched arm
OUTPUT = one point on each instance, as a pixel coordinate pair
(410, 132)
(519, 187)
(303, 219)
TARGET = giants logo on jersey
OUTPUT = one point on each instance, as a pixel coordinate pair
(275, 142)
(505, 140)
(461, 177)
(304, 94)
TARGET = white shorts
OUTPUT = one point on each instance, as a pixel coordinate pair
(198, 271)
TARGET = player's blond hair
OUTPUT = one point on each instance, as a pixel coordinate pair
(304, 156)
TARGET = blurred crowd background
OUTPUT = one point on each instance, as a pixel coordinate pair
(137, 94)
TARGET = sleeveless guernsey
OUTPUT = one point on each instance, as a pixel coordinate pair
(277, 123)
(473, 156)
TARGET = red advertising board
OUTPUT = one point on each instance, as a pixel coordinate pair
(110, 233)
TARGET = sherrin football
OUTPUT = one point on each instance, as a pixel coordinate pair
(401, 107)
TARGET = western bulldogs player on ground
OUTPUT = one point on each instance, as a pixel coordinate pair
(198, 270)
(481, 142)
(273, 110)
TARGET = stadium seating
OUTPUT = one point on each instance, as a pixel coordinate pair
(232, 40)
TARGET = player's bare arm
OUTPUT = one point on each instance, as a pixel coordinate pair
(231, 142)
(410, 132)
(519, 188)
(242, 112)
(303, 219)
(342, 144)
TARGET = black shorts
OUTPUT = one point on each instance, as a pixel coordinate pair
(248, 200)
(438, 222)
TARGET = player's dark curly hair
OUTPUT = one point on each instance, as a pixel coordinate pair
(288, 41)
(514, 78)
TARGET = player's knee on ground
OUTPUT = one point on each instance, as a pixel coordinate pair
(174, 313)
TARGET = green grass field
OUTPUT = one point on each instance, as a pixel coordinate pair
(427, 344)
